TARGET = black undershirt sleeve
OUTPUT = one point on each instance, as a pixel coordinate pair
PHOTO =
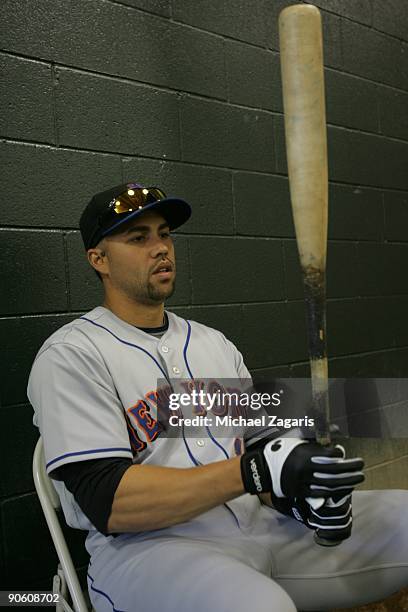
(93, 484)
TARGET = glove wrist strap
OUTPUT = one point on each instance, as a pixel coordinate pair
(255, 473)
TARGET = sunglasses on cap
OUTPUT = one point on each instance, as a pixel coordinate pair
(133, 199)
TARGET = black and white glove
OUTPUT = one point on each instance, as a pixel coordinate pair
(294, 467)
(333, 519)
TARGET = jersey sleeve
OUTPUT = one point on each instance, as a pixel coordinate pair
(93, 484)
(76, 406)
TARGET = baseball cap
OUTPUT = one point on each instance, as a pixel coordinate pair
(108, 209)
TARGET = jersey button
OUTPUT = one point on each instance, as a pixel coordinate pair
(165, 348)
(200, 443)
(176, 370)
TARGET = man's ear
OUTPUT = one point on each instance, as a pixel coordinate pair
(98, 258)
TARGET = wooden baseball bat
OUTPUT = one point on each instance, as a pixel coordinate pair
(301, 52)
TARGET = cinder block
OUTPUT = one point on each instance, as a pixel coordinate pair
(388, 363)
(365, 408)
(253, 76)
(26, 100)
(265, 335)
(262, 205)
(396, 257)
(362, 325)
(300, 370)
(372, 55)
(371, 365)
(157, 50)
(274, 334)
(391, 17)
(355, 213)
(59, 183)
(397, 312)
(382, 269)
(186, 59)
(297, 340)
(356, 11)
(161, 7)
(332, 45)
(342, 270)
(393, 106)
(208, 191)
(394, 166)
(280, 145)
(222, 135)
(235, 19)
(394, 420)
(110, 115)
(85, 289)
(146, 171)
(397, 360)
(373, 269)
(22, 543)
(2, 560)
(226, 270)
(393, 475)
(357, 158)
(351, 102)
(268, 375)
(376, 451)
(161, 52)
(293, 275)
(395, 215)
(22, 337)
(32, 261)
(25, 31)
(365, 159)
(18, 438)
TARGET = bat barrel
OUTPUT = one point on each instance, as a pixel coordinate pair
(301, 55)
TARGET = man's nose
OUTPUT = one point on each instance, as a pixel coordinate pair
(160, 248)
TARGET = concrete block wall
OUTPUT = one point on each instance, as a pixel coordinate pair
(186, 95)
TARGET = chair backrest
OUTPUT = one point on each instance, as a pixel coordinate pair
(50, 502)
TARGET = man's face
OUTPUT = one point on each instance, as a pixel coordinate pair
(140, 260)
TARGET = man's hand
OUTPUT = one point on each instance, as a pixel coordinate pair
(333, 519)
(294, 467)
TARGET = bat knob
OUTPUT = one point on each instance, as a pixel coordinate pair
(324, 541)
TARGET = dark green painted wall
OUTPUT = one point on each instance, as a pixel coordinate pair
(186, 94)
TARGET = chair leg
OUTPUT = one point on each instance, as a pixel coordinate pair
(60, 587)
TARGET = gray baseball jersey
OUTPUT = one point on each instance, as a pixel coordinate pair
(93, 388)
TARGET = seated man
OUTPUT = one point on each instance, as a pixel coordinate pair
(179, 524)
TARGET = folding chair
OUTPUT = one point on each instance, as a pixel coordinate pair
(66, 575)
